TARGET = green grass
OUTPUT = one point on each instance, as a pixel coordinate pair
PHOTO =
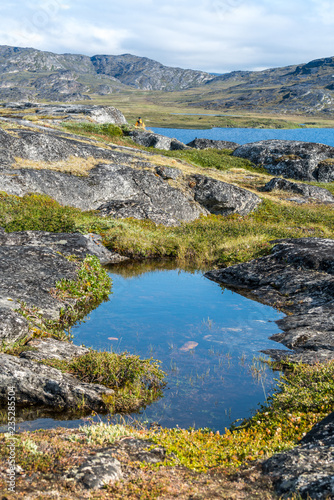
(136, 382)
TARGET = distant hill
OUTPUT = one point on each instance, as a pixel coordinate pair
(27, 73)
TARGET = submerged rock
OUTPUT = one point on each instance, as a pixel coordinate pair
(153, 140)
(298, 277)
(212, 144)
(308, 469)
(38, 384)
(310, 192)
(292, 159)
(221, 198)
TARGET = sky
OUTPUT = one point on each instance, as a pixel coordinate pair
(209, 35)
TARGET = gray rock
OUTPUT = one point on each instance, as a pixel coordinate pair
(298, 277)
(221, 198)
(52, 349)
(152, 140)
(39, 384)
(168, 172)
(97, 471)
(103, 467)
(77, 112)
(117, 186)
(211, 144)
(67, 244)
(326, 171)
(310, 192)
(308, 469)
(13, 326)
(291, 159)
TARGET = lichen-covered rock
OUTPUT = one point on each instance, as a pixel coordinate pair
(310, 192)
(52, 349)
(13, 326)
(168, 172)
(308, 469)
(152, 140)
(212, 144)
(103, 467)
(116, 190)
(67, 244)
(222, 198)
(298, 277)
(38, 384)
(291, 159)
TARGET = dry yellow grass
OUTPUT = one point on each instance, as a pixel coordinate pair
(72, 165)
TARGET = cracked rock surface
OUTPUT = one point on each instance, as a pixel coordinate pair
(308, 469)
(305, 161)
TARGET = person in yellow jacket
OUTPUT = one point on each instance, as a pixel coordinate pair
(140, 123)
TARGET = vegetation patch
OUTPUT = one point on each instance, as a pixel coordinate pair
(136, 382)
(73, 164)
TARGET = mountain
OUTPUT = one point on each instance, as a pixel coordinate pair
(305, 89)
(27, 73)
(30, 74)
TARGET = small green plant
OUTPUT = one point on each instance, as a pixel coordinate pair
(136, 382)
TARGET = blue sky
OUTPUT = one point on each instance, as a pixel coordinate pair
(211, 35)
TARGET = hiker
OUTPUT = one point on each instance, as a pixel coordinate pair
(140, 123)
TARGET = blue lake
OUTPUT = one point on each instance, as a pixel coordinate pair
(244, 135)
(206, 337)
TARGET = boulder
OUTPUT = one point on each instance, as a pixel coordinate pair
(38, 384)
(221, 198)
(212, 144)
(298, 278)
(307, 469)
(168, 173)
(292, 159)
(152, 140)
(312, 193)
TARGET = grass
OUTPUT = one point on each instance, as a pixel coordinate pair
(136, 382)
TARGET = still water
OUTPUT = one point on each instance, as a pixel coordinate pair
(206, 337)
(245, 135)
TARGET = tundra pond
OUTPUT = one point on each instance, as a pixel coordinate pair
(208, 339)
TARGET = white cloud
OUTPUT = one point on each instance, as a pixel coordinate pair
(213, 35)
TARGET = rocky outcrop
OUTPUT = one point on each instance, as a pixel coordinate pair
(152, 140)
(211, 144)
(103, 467)
(308, 469)
(116, 183)
(221, 198)
(309, 193)
(38, 384)
(77, 112)
(66, 244)
(305, 161)
(31, 263)
(298, 277)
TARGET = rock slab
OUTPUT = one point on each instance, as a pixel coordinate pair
(308, 469)
(311, 193)
(305, 161)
